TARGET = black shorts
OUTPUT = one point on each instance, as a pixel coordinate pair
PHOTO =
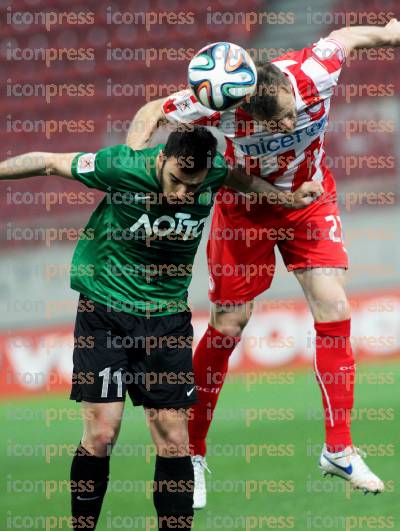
(115, 352)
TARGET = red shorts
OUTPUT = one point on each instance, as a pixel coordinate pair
(242, 241)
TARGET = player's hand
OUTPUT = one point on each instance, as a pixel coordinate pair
(392, 29)
(305, 194)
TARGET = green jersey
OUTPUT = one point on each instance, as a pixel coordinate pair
(136, 253)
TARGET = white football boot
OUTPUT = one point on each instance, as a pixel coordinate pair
(350, 465)
(200, 491)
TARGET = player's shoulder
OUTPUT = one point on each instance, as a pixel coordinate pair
(219, 161)
(217, 172)
(125, 161)
(123, 155)
(325, 49)
(296, 56)
(184, 106)
(113, 153)
(113, 158)
(179, 101)
(315, 68)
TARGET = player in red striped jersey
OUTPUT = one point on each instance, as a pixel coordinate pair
(279, 134)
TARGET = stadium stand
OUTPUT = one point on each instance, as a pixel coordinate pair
(119, 86)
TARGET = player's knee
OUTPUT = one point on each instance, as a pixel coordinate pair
(343, 310)
(233, 329)
(175, 442)
(100, 439)
(230, 325)
(331, 310)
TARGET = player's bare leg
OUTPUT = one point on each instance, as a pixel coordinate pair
(91, 463)
(173, 479)
(325, 293)
(210, 364)
(101, 425)
(231, 320)
(168, 428)
(334, 366)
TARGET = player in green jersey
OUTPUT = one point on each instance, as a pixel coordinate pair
(132, 267)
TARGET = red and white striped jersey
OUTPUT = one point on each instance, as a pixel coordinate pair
(285, 159)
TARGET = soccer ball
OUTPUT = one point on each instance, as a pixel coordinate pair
(221, 75)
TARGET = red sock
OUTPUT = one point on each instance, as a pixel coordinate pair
(210, 364)
(335, 369)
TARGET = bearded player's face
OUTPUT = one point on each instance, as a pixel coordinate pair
(174, 181)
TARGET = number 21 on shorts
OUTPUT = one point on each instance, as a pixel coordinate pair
(335, 232)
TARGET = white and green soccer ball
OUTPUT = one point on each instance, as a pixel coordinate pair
(221, 75)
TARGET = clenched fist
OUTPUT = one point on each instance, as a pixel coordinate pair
(302, 197)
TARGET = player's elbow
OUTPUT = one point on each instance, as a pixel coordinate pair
(41, 162)
(145, 123)
(151, 111)
(50, 163)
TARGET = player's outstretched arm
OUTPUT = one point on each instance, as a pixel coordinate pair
(37, 163)
(308, 192)
(368, 36)
(145, 123)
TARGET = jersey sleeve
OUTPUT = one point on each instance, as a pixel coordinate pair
(330, 55)
(102, 170)
(183, 107)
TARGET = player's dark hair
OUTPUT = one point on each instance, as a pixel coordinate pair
(264, 103)
(194, 147)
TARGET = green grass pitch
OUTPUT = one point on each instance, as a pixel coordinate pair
(263, 451)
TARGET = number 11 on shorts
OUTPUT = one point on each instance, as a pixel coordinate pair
(106, 375)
